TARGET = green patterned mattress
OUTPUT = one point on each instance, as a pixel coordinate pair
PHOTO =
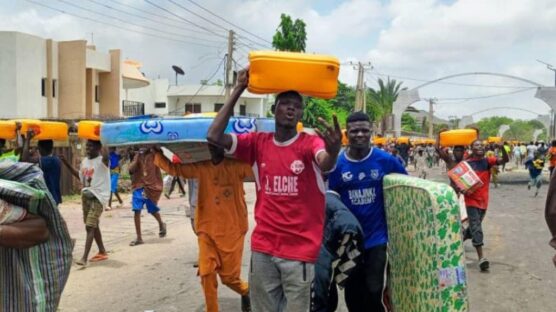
(427, 263)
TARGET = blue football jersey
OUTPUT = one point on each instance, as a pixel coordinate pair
(359, 183)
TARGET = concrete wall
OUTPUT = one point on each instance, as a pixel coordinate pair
(254, 106)
(156, 91)
(8, 85)
(110, 85)
(98, 60)
(22, 68)
(72, 79)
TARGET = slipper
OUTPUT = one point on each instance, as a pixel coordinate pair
(81, 265)
(136, 242)
(99, 257)
(162, 232)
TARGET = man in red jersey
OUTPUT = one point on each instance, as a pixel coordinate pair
(477, 201)
(289, 212)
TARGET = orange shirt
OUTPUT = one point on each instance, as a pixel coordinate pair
(221, 210)
(552, 155)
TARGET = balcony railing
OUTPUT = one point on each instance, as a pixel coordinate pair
(132, 108)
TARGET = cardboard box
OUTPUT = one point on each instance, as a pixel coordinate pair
(465, 177)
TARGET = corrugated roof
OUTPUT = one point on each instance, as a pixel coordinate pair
(206, 90)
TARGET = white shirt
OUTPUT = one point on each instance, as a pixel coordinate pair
(531, 149)
(95, 176)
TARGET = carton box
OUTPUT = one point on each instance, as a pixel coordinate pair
(465, 177)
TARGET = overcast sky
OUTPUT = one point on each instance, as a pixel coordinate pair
(409, 40)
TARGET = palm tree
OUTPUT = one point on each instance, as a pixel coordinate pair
(386, 94)
(384, 98)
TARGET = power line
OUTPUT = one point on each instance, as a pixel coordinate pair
(225, 20)
(206, 19)
(133, 24)
(185, 20)
(451, 83)
(164, 17)
(120, 27)
(154, 20)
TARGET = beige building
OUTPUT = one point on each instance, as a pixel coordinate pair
(43, 78)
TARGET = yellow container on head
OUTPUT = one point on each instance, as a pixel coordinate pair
(309, 74)
(7, 130)
(89, 129)
(458, 137)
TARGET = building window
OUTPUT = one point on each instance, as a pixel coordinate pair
(243, 110)
(159, 104)
(43, 87)
(218, 106)
(193, 107)
(54, 88)
(97, 94)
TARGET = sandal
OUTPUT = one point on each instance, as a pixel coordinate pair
(136, 242)
(99, 257)
(162, 232)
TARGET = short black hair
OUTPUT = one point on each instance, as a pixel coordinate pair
(46, 146)
(95, 143)
(357, 116)
(2, 142)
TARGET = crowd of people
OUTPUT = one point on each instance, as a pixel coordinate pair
(320, 213)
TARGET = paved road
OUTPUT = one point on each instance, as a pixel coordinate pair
(159, 275)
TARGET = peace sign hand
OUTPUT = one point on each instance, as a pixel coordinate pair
(332, 137)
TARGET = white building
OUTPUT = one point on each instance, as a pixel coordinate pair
(43, 78)
(164, 100)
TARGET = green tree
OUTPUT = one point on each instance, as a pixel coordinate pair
(290, 35)
(409, 123)
(315, 108)
(489, 126)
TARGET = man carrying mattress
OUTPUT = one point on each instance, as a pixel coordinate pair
(146, 182)
(289, 211)
(220, 221)
(358, 178)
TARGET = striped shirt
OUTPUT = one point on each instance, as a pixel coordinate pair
(32, 279)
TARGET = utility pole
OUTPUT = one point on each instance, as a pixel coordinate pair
(431, 115)
(360, 88)
(229, 83)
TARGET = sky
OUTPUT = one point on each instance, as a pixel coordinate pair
(412, 41)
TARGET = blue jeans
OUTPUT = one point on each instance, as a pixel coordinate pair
(277, 284)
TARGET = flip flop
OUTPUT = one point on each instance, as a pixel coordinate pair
(81, 265)
(99, 257)
(136, 242)
(162, 232)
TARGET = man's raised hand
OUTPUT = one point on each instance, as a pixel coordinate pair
(332, 136)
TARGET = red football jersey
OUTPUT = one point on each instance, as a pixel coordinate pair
(290, 193)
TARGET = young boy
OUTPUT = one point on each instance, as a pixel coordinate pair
(220, 221)
(535, 165)
(115, 159)
(49, 163)
(94, 174)
(146, 182)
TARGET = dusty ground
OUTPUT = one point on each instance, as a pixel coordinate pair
(159, 275)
